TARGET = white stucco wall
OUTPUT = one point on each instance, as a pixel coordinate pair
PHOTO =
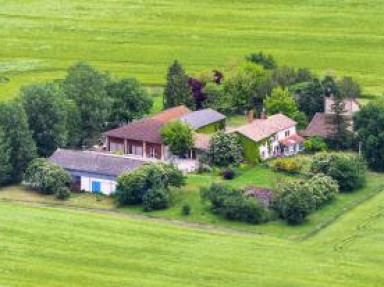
(107, 186)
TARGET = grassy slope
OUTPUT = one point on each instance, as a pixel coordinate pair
(200, 211)
(40, 38)
(53, 247)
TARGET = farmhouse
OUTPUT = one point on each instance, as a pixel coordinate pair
(270, 137)
(321, 124)
(92, 171)
(143, 138)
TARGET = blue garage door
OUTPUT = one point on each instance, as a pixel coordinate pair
(96, 187)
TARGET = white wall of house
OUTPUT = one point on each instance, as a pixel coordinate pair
(269, 150)
(107, 186)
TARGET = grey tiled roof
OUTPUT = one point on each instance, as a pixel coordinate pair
(92, 162)
(201, 118)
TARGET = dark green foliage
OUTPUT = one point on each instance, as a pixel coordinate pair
(186, 209)
(178, 136)
(87, 87)
(315, 144)
(132, 187)
(5, 160)
(22, 148)
(294, 202)
(47, 178)
(347, 169)
(287, 76)
(217, 98)
(311, 98)
(45, 107)
(228, 173)
(62, 193)
(233, 204)
(177, 91)
(225, 150)
(157, 198)
(267, 61)
(369, 125)
(130, 101)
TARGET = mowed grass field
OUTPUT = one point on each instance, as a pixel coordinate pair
(42, 246)
(41, 38)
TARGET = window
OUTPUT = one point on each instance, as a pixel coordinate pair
(287, 133)
(136, 150)
(113, 147)
(152, 152)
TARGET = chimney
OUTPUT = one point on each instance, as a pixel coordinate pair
(251, 116)
(263, 115)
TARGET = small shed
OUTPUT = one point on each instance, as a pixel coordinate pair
(92, 171)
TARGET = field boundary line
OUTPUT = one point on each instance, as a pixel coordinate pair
(352, 205)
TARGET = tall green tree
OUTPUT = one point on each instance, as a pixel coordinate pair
(177, 91)
(242, 85)
(179, 137)
(311, 98)
(5, 159)
(44, 105)
(281, 101)
(87, 87)
(369, 126)
(14, 122)
(130, 101)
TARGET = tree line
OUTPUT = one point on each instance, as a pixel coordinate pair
(69, 113)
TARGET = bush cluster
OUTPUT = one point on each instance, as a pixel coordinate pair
(284, 164)
(149, 185)
(297, 199)
(47, 178)
(315, 144)
(233, 204)
(349, 170)
(228, 173)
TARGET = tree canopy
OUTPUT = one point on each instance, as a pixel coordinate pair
(225, 149)
(281, 101)
(87, 87)
(179, 137)
(130, 101)
(45, 105)
(22, 148)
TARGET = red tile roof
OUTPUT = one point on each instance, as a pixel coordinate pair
(148, 129)
(291, 140)
(318, 127)
(260, 129)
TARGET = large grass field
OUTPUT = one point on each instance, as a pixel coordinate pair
(41, 246)
(40, 39)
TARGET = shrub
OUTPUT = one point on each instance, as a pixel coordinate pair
(131, 187)
(225, 149)
(228, 173)
(46, 177)
(294, 202)
(286, 165)
(155, 199)
(323, 188)
(185, 209)
(347, 169)
(233, 204)
(62, 193)
(315, 144)
(245, 209)
(217, 194)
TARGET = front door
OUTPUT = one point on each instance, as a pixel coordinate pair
(96, 187)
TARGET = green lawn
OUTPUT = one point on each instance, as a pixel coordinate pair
(200, 211)
(40, 39)
(42, 246)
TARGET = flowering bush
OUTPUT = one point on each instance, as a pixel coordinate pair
(286, 165)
